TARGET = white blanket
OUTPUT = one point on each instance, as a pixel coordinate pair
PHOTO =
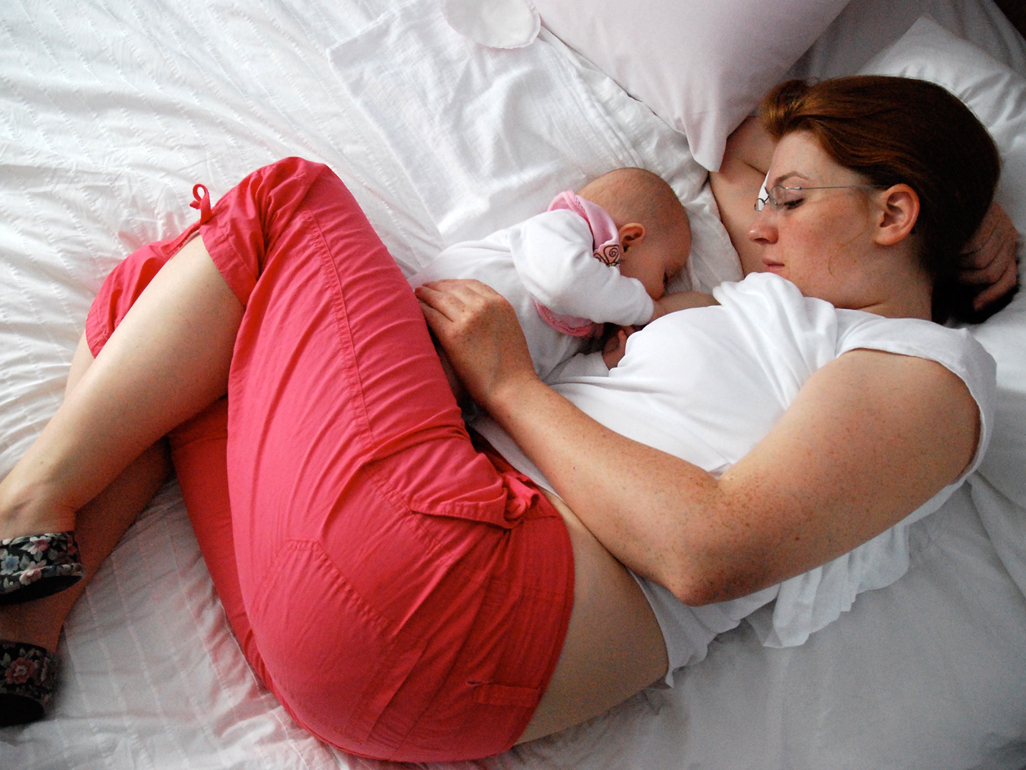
(486, 138)
(111, 111)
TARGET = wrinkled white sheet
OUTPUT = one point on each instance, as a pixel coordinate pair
(111, 110)
(486, 138)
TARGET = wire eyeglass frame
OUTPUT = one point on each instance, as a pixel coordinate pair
(772, 197)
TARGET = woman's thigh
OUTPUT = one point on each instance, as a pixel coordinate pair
(334, 381)
(392, 577)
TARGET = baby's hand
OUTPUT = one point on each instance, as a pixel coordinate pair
(616, 346)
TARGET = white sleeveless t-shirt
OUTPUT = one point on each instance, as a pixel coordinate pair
(707, 384)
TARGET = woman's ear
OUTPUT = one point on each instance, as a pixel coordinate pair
(631, 234)
(899, 214)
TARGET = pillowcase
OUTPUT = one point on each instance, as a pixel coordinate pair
(866, 27)
(701, 65)
(997, 95)
(994, 92)
(494, 23)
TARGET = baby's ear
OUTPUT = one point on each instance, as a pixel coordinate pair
(900, 210)
(630, 234)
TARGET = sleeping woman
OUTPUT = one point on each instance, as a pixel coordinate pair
(404, 588)
(986, 274)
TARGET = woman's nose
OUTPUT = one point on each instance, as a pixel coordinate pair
(762, 229)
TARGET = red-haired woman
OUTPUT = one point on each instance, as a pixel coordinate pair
(404, 590)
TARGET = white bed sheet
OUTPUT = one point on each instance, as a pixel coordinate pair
(110, 114)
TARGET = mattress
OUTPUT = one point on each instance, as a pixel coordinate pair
(111, 113)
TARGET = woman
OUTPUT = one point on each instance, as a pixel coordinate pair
(405, 595)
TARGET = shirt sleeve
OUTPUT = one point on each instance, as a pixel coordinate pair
(552, 253)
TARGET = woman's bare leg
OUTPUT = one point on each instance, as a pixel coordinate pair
(614, 647)
(166, 361)
(100, 526)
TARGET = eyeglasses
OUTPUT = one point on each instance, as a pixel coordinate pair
(780, 197)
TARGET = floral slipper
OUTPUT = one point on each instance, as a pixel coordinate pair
(28, 674)
(34, 566)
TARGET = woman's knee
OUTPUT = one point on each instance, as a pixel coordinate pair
(80, 362)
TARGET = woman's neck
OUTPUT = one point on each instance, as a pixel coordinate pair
(904, 294)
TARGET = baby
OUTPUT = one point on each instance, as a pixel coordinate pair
(602, 255)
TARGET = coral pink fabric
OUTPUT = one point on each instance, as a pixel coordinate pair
(405, 595)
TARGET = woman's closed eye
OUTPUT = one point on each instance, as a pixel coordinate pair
(782, 198)
(786, 199)
(790, 198)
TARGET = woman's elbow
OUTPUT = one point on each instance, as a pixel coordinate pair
(697, 583)
(697, 592)
(692, 593)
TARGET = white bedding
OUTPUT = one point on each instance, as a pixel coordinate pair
(111, 112)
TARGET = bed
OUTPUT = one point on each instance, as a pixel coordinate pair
(113, 109)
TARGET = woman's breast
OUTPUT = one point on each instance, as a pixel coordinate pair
(697, 384)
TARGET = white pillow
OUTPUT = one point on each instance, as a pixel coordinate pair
(997, 95)
(701, 65)
(494, 23)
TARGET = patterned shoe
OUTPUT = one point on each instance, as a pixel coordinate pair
(27, 677)
(34, 566)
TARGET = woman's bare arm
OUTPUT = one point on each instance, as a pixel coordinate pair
(859, 449)
(746, 159)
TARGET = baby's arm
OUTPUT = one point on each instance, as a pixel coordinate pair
(578, 366)
(616, 345)
(596, 364)
(552, 254)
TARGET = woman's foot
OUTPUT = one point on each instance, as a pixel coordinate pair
(28, 675)
(34, 566)
(39, 555)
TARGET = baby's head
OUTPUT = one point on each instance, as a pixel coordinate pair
(655, 234)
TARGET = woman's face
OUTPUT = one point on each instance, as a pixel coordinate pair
(820, 240)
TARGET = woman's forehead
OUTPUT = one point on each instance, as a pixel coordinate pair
(799, 159)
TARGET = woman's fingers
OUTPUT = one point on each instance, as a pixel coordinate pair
(989, 257)
(461, 309)
(452, 299)
(479, 331)
(1004, 284)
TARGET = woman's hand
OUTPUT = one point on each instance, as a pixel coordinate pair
(989, 258)
(479, 331)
